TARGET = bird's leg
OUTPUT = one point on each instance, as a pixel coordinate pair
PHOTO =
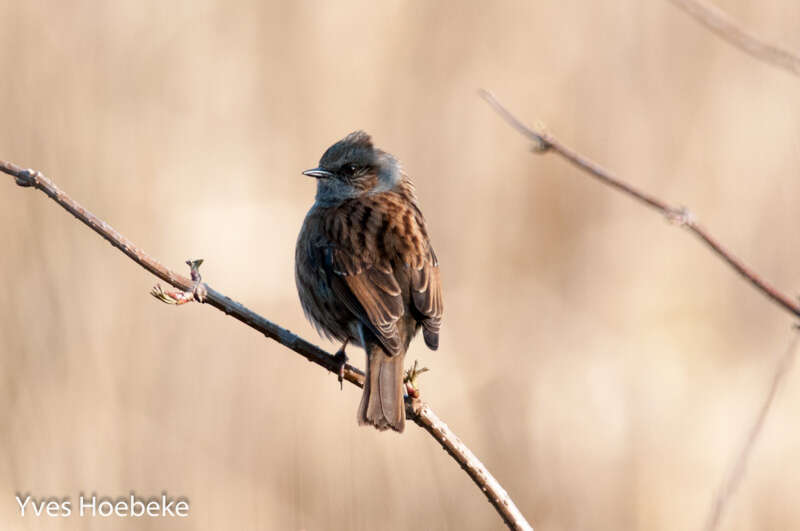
(341, 358)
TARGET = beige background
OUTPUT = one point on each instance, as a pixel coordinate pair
(603, 364)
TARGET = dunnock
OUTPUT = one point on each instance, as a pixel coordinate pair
(365, 269)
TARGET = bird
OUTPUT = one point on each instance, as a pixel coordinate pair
(366, 271)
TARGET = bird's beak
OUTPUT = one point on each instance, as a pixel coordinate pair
(319, 173)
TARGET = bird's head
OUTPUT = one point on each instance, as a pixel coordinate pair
(352, 167)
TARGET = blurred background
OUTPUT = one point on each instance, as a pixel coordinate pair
(604, 365)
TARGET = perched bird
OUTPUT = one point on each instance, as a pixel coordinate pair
(365, 269)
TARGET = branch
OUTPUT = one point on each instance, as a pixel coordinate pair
(419, 412)
(724, 26)
(544, 141)
(736, 472)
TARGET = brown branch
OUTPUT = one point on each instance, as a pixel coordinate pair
(736, 472)
(544, 141)
(724, 26)
(419, 412)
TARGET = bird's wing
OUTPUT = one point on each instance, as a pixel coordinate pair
(426, 295)
(369, 239)
(371, 294)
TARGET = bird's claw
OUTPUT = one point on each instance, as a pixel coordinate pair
(341, 358)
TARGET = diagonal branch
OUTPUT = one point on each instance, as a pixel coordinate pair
(735, 474)
(419, 412)
(723, 25)
(544, 141)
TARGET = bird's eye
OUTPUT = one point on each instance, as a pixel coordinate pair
(351, 169)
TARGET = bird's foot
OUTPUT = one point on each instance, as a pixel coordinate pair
(341, 358)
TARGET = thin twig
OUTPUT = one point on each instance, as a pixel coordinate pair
(731, 481)
(544, 141)
(419, 412)
(724, 26)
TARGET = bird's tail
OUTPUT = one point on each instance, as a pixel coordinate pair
(382, 403)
